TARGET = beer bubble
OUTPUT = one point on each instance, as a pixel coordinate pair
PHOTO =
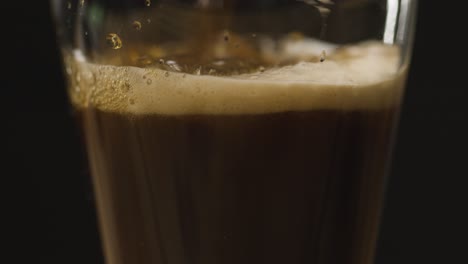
(149, 81)
(113, 84)
(69, 5)
(92, 78)
(166, 74)
(82, 3)
(211, 71)
(161, 61)
(226, 36)
(323, 56)
(219, 63)
(198, 71)
(148, 20)
(127, 85)
(136, 25)
(145, 60)
(131, 101)
(114, 41)
(173, 65)
(261, 69)
(296, 36)
(148, 2)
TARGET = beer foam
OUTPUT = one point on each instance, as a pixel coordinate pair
(363, 76)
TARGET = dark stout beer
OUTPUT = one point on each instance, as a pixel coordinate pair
(282, 166)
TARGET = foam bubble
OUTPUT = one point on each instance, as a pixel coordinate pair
(364, 76)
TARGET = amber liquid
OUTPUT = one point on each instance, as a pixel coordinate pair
(279, 188)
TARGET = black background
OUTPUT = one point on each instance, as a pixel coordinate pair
(49, 203)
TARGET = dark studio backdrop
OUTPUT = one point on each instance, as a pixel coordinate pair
(50, 208)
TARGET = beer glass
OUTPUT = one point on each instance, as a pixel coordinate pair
(237, 131)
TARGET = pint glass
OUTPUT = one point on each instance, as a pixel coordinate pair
(237, 131)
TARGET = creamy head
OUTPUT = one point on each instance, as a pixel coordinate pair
(364, 76)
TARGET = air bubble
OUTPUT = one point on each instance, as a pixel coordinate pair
(149, 81)
(148, 2)
(114, 41)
